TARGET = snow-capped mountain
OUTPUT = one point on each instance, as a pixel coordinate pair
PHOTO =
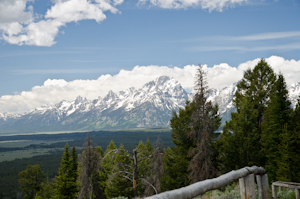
(149, 106)
(223, 97)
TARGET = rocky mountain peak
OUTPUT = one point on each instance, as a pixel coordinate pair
(79, 100)
(111, 96)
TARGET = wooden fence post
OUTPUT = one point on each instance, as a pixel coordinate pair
(242, 188)
(274, 191)
(247, 187)
(263, 186)
(297, 193)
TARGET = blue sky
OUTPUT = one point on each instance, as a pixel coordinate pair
(69, 40)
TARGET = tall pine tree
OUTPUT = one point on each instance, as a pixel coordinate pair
(119, 183)
(66, 185)
(176, 159)
(244, 129)
(89, 166)
(288, 166)
(156, 170)
(205, 121)
(107, 165)
(31, 180)
(276, 120)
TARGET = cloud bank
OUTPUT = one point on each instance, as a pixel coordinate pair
(25, 28)
(210, 5)
(56, 90)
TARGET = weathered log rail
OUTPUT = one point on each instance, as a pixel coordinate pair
(246, 181)
(291, 185)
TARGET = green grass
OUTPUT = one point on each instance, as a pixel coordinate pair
(28, 153)
(24, 143)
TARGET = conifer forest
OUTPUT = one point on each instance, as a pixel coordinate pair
(263, 131)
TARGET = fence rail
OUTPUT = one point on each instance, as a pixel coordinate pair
(291, 185)
(246, 181)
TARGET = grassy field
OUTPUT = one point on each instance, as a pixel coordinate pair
(25, 143)
(19, 154)
(25, 146)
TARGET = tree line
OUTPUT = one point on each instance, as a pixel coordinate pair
(264, 131)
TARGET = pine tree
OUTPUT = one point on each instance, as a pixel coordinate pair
(144, 153)
(31, 180)
(47, 191)
(156, 170)
(119, 183)
(74, 174)
(288, 166)
(107, 165)
(205, 121)
(276, 118)
(245, 125)
(66, 185)
(62, 180)
(176, 160)
(89, 172)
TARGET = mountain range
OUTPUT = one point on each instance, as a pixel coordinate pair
(148, 107)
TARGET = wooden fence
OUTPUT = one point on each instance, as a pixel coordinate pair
(291, 185)
(246, 181)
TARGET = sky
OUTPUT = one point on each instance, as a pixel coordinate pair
(53, 50)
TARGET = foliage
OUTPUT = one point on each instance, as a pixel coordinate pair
(47, 191)
(156, 171)
(107, 165)
(118, 183)
(144, 157)
(250, 100)
(66, 184)
(276, 121)
(176, 159)
(30, 180)
(287, 194)
(289, 150)
(89, 172)
(205, 121)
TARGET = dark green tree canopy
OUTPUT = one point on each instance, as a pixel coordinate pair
(30, 181)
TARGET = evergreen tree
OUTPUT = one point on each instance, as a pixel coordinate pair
(144, 153)
(74, 173)
(156, 170)
(47, 191)
(107, 164)
(176, 159)
(288, 166)
(276, 118)
(30, 181)
(119, 183)
(89, 172)
(245, 125)
(205, 121)
(66, 185)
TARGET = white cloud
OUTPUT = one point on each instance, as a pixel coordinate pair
(23, 29)
(267, 36)
(15, 11)
(56, 90)
(211, 5)
(284, 47)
